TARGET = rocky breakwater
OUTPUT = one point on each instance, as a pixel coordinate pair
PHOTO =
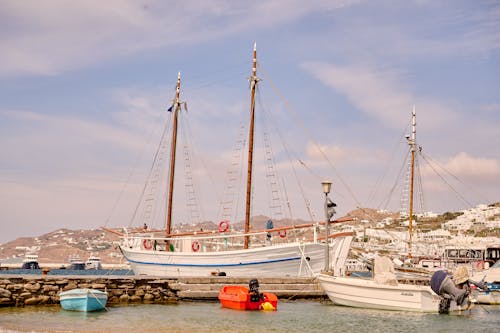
(41, 290)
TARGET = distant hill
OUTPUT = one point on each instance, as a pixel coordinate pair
(59, 245)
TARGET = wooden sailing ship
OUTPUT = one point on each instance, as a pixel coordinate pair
(223, 252)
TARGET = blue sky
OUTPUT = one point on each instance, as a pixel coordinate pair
(84, 86)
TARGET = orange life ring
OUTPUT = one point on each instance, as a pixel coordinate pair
(195, 246)
(148, 244)
(223, 226)
(282, 234)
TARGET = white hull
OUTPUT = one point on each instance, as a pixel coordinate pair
(488, 297)
(366, 293)
(290, 259)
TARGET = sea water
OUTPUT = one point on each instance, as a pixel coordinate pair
(291, 316)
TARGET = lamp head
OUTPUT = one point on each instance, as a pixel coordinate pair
(327, 185)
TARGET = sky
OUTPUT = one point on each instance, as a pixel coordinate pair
(85, 87)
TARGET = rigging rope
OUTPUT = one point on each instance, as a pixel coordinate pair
(444, 180)
(420, 187)
(154, 163)
(233, 182)
(132, 171)
(405, 162)
(392, 156)
(290, 159)
(274, 188)
(192, 202)
(189, 87)
(310, 137)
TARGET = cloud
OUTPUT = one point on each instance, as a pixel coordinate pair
(463, 165)
(60, 35)
(381, 94)
(316, 153)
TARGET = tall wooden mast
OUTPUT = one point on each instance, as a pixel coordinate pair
(412, 143)
(175, 109)
(253, 85)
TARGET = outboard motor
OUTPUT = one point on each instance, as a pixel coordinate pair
(443, 285)
(253, 287)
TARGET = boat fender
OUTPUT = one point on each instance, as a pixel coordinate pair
(223, 226)
(266, 306)
(195, 246)
(480, 264)
(148, 244)
(282, 233)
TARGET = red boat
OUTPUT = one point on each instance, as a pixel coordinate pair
(243, 298)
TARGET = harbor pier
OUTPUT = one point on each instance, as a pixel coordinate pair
(25, 290)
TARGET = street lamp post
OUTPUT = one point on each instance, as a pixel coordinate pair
(327, 185)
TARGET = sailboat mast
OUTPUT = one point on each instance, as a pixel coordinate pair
(175, 109)
(412, 143)
(253, 85)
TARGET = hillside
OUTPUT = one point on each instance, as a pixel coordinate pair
(59, 245)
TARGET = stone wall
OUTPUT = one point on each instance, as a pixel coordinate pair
(44, 289)
(21, 291)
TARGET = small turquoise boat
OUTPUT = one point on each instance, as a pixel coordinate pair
(83, 299)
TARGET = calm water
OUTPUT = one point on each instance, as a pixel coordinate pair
(297, 316)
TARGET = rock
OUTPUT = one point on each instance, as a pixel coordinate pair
(135, 299)
(32, 287)
(127, 286)
(124, 298)
(98, 286)
(5, 293)
(149, 298)
(32, 301)
(6, 301)
(170, 300)
(25, 295)
(113, 299)
(70, 286)
(44, 299)
(117, 292)
(47, 289)
(16, 286)
(139, 293)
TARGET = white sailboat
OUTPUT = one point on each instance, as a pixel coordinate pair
(383, 291)
(209, 253)
(491, 277)
(379, 293)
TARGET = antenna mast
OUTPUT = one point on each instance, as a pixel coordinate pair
(412, 144)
